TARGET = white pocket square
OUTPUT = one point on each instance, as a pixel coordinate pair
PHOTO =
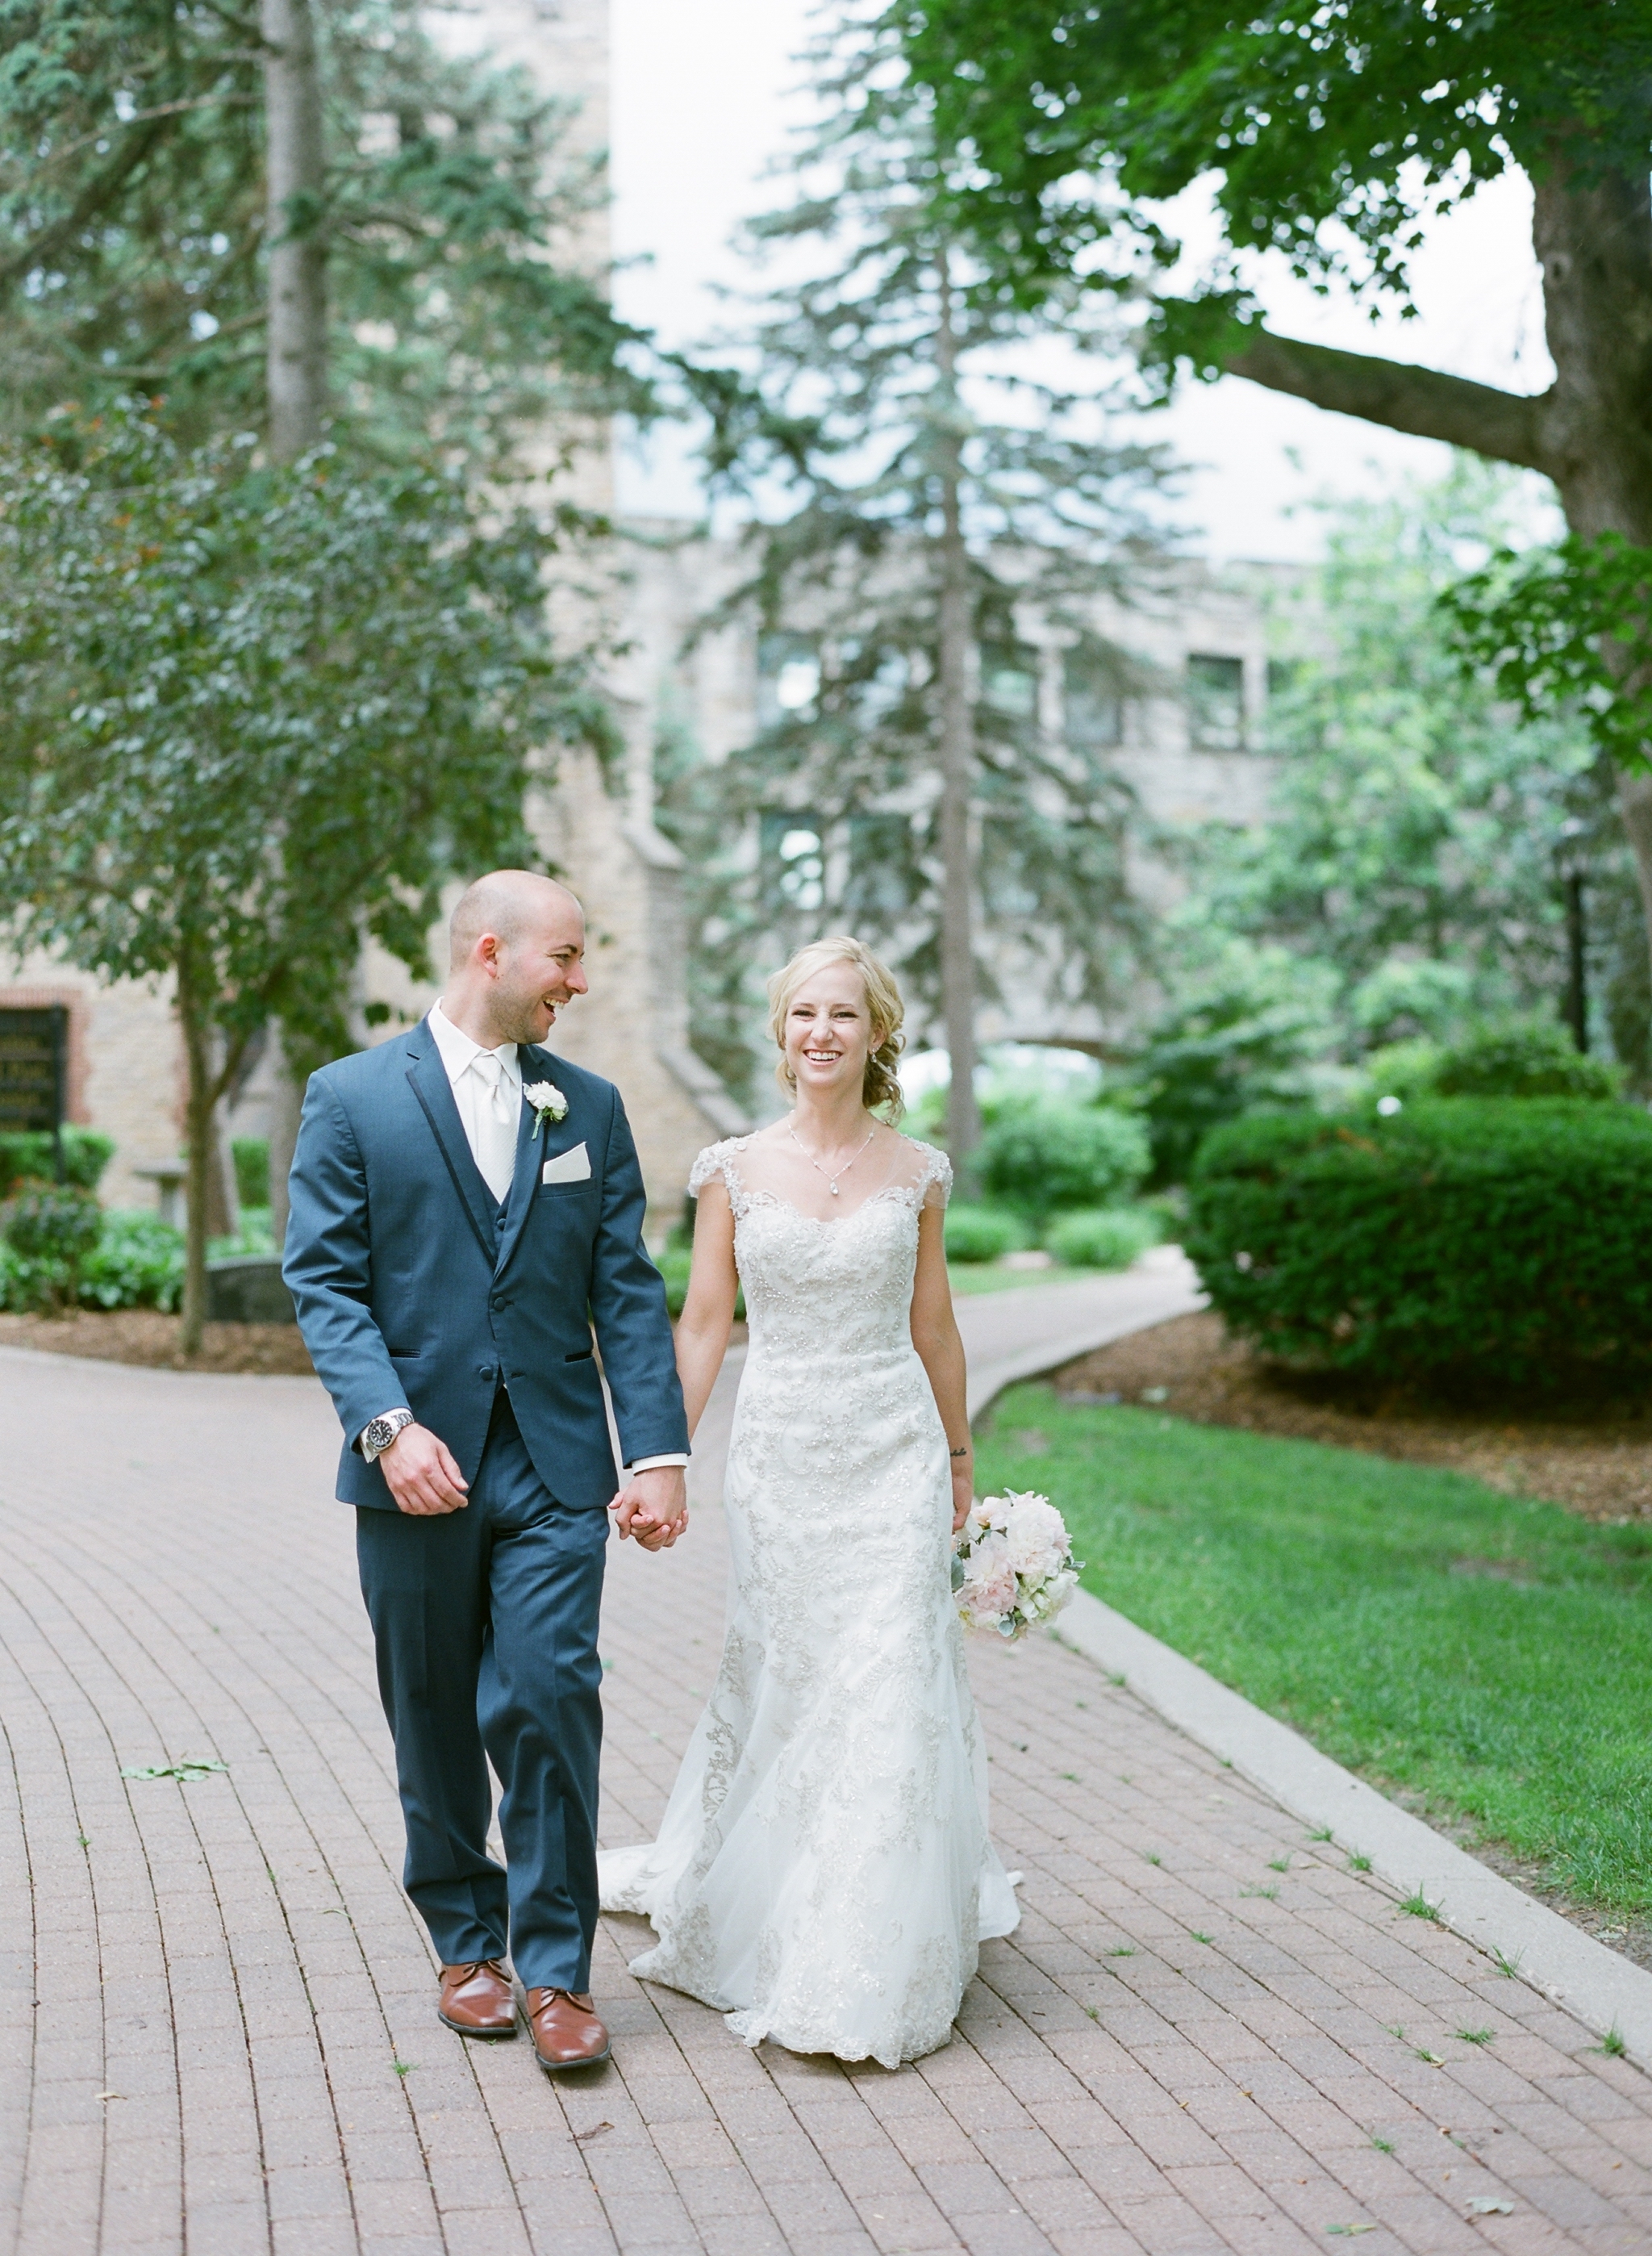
(572, 1167)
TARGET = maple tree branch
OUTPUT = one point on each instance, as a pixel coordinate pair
(1507, 425)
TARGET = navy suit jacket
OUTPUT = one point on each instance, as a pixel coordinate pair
(411, 1285)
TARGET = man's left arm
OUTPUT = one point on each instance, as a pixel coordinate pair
(639, 1358)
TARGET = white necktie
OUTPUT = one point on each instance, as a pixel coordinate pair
(495, 1144)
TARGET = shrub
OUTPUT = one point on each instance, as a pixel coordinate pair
(1522, 1057)
(674, 1264)
(1045, 1157)
(1246, 1034)
(981, 1233)
(1491, 1239)
(1103, 1237)
(251, 1156)
(1404, 1069)
(137, 1262)
(25, 1158)
(49, 1229)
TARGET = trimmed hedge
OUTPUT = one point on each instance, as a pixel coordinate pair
(980, 1233)
(1103, 1237)
(1044, 1157)
(27, 1157)
(1498, 1240)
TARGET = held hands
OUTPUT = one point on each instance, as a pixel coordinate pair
(653, 1506)
(422, 1473)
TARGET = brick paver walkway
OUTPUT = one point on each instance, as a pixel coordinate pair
(1208, 2035)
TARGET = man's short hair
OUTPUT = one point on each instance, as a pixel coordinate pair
(502, 903)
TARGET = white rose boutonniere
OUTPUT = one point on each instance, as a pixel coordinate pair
(548, 1102)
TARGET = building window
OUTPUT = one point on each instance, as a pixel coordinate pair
(787, 678)
(793, 862)
(1282, 674)
(1091, 708)
(1216, 702)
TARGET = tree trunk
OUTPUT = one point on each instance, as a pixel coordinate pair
(284, 1107)
(295, 190)
(957, 763)
(198, 1143)
(297, 363)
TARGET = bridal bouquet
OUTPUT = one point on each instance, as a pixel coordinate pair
(1012, 1564)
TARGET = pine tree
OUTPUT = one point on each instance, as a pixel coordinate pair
(937, 511)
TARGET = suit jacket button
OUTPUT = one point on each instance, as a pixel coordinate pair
(485, 1371)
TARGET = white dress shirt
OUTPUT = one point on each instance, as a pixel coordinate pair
(487, 1086)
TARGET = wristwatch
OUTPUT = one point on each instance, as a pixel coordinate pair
(379, 1432)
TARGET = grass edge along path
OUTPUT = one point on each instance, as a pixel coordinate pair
(1489, 1655)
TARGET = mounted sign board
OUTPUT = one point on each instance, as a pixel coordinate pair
(34, 1071)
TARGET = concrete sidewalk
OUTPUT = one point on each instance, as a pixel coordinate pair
(215, 2005)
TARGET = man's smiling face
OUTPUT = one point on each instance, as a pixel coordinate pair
(539, 970)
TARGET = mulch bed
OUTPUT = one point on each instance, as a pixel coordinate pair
(145, 1335)
(1594, 1457)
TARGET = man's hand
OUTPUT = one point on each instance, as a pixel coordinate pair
(423, 1475)
(653, 1506)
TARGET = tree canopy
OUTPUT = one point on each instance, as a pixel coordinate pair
(251, 714)
(1331, 135)
(132, 228)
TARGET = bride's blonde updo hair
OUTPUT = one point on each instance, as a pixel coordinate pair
(881, 1089)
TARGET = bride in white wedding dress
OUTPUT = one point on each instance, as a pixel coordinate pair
(824, 1875)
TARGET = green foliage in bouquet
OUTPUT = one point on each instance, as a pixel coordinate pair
(1046, 1157)
(1493, 1241)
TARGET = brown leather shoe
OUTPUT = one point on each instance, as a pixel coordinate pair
(478, 1999)
(565, 2031)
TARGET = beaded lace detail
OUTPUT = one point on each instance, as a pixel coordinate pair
(824, 1873)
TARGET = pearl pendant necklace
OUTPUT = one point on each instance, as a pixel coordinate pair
(831, 1179)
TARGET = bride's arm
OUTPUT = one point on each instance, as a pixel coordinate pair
(941, 1352)
(702, 1329)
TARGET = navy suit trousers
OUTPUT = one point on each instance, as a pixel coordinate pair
(486, 1623)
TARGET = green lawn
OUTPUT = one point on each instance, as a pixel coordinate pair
(987, 1277)
(1491, 1654)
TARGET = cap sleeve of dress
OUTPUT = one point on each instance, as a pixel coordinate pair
(937, 1179)
(709, 1163)
(719, 1159)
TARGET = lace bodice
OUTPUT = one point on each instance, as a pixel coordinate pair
(843, 1277)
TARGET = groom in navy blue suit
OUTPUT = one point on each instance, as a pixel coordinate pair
(466, 1210)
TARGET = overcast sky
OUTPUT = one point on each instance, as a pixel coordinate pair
(703, 96)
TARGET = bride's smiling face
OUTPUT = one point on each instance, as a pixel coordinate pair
(829, 1030)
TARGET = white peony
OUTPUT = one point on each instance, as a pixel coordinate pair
(1037, 1537)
